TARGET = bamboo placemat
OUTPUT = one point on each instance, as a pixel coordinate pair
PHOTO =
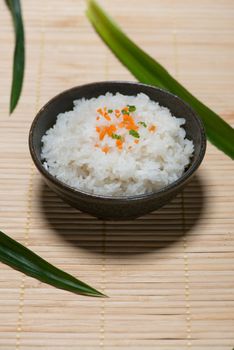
(169, 274)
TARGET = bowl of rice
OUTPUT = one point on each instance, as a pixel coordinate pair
(117, 150)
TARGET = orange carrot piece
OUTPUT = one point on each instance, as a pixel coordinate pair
(131, 127)
(128, 118)
(111, 129)
(107, 117)
(119, 144)
(105, 149)
(129, 122)
(102, 134)
(100, 111)
(152, 128)
(121, 125)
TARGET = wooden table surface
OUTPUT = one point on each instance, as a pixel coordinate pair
(169, 275)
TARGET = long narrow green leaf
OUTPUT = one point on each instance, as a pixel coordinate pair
(149, 71)
(19, 60)
(21, 258)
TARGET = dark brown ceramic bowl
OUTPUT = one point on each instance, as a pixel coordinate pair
(107, 207)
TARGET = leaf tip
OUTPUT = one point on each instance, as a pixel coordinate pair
(99, 294)
(12, 106)
(11, 109)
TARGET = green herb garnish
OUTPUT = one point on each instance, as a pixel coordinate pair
(116, 136)
(134, 133)
(110, 110)
(143, 124)
(125, 112)
(131, 108)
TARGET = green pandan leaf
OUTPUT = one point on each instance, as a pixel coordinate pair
(21, 258)
(19, 55)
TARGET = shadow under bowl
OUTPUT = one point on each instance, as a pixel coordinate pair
(107, 207)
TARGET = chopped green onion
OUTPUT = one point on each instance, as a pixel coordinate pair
(134, 133)
(143, 124)
(110, 110)
(131, 108)
(125, 112)
(116, 136)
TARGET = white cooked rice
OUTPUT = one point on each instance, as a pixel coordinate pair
(158, 159)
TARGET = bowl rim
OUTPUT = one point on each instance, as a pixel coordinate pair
(167, 189)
